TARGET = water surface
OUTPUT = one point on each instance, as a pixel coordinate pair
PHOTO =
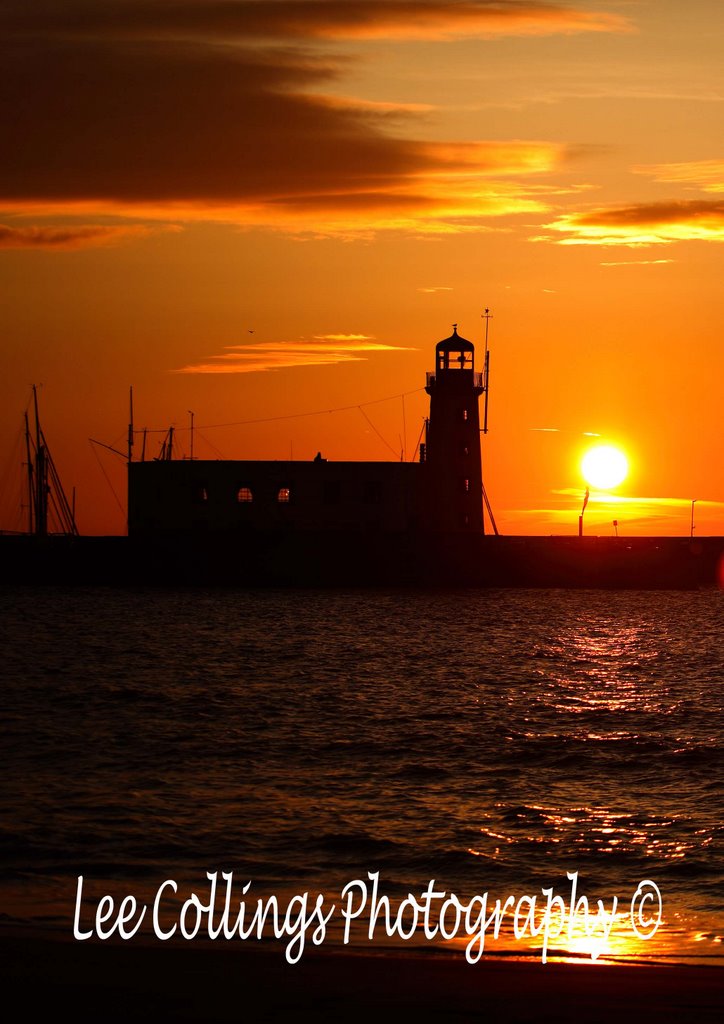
(490, 740)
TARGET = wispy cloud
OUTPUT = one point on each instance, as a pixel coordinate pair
(309, 19)
(344, 337)
(69, 238)
(557, 430)
(603, 508)
(634, 263)
(605, 499)
(708, 175)
(643, 224)
(324, 350)
(434, 289)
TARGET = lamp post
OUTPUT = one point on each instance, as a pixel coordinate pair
(693, 502)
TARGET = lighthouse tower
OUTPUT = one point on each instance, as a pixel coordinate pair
(454, 475)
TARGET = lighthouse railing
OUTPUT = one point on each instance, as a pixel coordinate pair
(476, 378)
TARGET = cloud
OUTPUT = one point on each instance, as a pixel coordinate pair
(557, 430)
(635, 263)
(306, 19)
(325, 350)
(436, 288)
(164, 110)
(603, 508)
(345, 337)
(643, 224)
(707, 175)
(608, 500)
(71, 238)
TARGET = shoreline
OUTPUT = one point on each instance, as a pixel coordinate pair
(195, 982)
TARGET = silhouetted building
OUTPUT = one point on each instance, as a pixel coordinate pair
(442, 492)
(322, 523)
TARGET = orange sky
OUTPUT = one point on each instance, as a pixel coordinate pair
(346, 181)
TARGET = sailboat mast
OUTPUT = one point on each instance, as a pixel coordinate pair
(41, 475)
(31, 485)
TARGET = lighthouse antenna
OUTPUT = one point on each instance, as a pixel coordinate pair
(486, 316)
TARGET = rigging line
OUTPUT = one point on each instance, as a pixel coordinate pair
(57, 494)
(404, 429)
(114, 450)
(490, 512)
(417, 446)
(377, 431)
(288, 416)
(118, 500)
(209, 443)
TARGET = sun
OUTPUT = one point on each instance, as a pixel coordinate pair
(604, 466)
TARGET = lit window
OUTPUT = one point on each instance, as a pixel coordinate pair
(466, 485)
(465, 414)
(244, 495)
(200, 493)
(283, 495)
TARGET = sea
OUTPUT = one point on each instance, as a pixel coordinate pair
(475, 772)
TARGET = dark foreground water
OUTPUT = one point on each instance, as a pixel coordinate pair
(491, 741)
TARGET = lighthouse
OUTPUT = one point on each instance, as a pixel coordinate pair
(453, 466)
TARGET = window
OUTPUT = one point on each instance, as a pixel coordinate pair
(201, 493)
(466, 485)
(283, 495)
(464, 450)
(465, 415)
(244, 495)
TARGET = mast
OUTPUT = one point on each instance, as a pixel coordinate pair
(31, 484)
(166, 453)
(41, 475)
(45, 490)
